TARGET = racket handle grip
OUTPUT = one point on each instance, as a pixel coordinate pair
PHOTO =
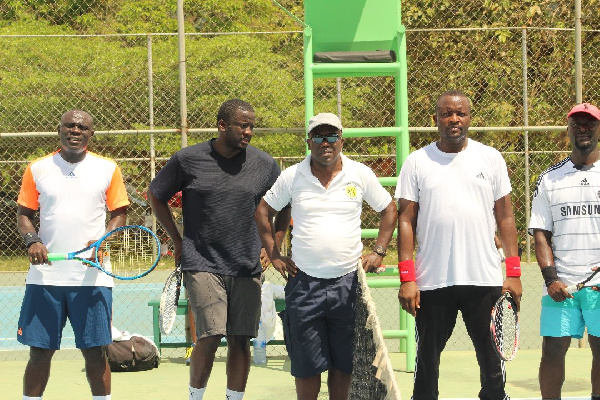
(57, 256)
(571, 289)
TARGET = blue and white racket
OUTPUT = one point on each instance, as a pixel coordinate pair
(126, 253)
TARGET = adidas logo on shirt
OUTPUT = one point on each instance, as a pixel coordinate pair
(71, 175)
(584, 182)
(480, 175)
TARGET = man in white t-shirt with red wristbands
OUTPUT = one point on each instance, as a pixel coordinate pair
(452, 194)
(72, 188)
(326, 192)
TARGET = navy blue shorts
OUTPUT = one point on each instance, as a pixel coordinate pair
(319, 323)
(45, 310)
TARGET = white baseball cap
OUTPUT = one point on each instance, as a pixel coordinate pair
(324, 119)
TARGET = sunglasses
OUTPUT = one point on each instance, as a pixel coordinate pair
(329, 139)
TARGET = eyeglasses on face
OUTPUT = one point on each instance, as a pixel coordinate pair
(328, 138)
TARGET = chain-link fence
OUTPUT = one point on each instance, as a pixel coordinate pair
(120, 60)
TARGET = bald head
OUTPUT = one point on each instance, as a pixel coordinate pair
(452, 93)
(78, 116)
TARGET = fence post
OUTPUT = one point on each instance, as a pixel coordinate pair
(151, 117)
(578, 66)
(338, 86)
(578, 82)
(182, 73)
(526, 139)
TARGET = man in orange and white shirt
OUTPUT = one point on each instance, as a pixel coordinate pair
(72, 188)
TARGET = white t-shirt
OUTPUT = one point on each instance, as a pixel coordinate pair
(566, 202)
(456, 193)
(72, 198)
(326, 241)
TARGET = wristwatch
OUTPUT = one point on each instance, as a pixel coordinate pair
(379, 250)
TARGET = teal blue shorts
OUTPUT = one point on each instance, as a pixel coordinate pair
(570, 317)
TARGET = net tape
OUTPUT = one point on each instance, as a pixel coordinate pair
(373, 377)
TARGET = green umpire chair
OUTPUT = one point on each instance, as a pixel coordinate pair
(362, 38)
(359, 38)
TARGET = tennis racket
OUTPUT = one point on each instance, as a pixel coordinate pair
(168, 300)
(126, 253)
(585, 283)
(504, 327)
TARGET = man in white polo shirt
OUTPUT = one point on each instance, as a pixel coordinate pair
(326, 191)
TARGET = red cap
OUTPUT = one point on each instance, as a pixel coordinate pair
(585, 108)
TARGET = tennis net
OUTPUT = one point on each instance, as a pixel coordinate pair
(372, 376)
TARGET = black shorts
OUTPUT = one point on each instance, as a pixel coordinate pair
(319, 323)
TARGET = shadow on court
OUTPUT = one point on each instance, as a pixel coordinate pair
(459, 378)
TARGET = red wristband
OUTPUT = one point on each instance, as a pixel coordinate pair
(406, 269)
(513, 266)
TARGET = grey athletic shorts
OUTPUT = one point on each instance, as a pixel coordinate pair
(223, 305)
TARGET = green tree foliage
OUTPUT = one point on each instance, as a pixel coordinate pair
(146, 16)
(41, 77)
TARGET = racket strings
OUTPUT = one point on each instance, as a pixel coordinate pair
(169, 300)
(129, 252)
(505, 329)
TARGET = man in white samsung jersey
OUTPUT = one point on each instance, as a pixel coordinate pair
(565, 224)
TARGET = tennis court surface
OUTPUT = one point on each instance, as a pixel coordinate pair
(459, 378)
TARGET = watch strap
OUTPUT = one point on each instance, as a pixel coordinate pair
(379, 250)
